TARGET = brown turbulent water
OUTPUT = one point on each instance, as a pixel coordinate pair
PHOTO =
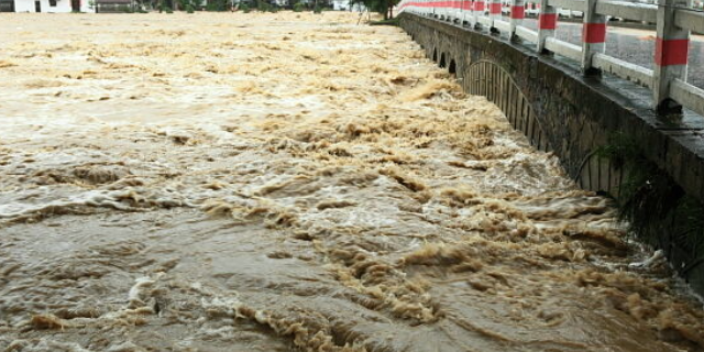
(293, 182)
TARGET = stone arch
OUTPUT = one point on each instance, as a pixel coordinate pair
(443, 62)
(435, 55)
(600, 174)
(488, 79)
(452, 67)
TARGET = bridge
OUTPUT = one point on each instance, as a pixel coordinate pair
(577, 101)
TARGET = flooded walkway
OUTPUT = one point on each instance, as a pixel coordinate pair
(293, 182)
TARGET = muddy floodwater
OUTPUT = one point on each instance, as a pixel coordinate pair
(293, 182)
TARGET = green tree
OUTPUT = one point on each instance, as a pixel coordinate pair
(218, 5)
(383, 7)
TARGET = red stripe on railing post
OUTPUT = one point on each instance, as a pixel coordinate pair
(671, 51)
(495, 9)
(594, 33)
(518, 13)
(547, 22)
(593, 37)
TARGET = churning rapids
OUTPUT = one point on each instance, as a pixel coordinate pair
(293, 182)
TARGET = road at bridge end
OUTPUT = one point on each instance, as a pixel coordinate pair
(287, 182)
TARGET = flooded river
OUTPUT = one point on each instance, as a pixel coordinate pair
(293, 182)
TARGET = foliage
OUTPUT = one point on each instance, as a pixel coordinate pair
(656, 208)
(189, 5)
(245, 8)
(299, 7)
(263, 6)
(164, 7)
(218, 5)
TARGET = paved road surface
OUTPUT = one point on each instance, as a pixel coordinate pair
(635, 46)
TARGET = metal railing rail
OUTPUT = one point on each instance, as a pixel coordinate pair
(674, 20)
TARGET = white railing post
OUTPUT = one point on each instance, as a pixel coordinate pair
(458, 10)
(466, 9)
(495, 10)
(593, 37)
(518, 13)
(479, 7)
(671, 51)
(547, 22)
(494, 14)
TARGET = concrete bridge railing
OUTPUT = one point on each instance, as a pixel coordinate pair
(674, 20)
